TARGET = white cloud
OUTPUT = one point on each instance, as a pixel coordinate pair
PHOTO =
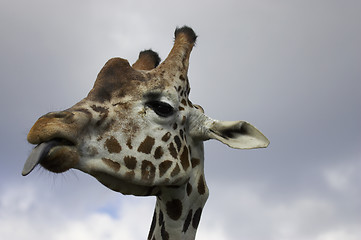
(244, 212)
(23, 215)
(340, 234)
(234, 211)
(133, 223)
(341, 176)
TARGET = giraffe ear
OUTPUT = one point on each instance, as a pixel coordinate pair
(237, 134)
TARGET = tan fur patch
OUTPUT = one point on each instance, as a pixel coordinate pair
(189, 189)
(197, 218)
(147, 145)
(129, 143)
(184, 119)
(112, 145)
(201, 185)
(110, 163)
(166, 137)
(158, 152)
(129, 175)
(130, 162)
(174, 209)
(185, 158)
(163, 167)
(175, 171)
(148, 171)
(172, 150)
(178, 142)
(195, 162)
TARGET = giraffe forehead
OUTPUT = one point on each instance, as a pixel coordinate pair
(117, 79)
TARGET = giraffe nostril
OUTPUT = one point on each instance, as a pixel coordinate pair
(62, 114)
(65, 116)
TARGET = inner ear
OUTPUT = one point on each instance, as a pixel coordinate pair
(239, 134)
(234, 132)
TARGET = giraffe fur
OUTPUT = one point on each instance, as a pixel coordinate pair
(138, 133)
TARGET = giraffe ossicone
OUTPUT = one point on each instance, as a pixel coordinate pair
(138, 133)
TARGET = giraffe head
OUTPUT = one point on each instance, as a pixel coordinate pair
(137, 130)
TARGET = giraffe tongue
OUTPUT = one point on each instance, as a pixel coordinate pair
(37, 155)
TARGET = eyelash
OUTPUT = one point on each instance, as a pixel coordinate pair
(162, 109)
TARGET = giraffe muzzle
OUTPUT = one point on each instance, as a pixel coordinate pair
(49, 153)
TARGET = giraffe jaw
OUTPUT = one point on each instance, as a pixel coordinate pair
(56, 155)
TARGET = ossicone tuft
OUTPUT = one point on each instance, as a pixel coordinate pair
(150, 53)
(188, 32)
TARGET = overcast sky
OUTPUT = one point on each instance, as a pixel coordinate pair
(291, 68)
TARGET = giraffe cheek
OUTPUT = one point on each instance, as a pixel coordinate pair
(61, 159)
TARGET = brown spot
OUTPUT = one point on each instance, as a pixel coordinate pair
(183, 120)
(188, 220)
(185, 158)
(188, 88)
(112, 145)
(166, 137)
(180, 108)
(164, 233)
(147, 145)
(148, 171)
(129, 175)
(172, 150)
(161, 218)
(174, 209)
(163, 167)
(197, 218)
(184, 102)
(158, 152)
(201, 185)
(130, 162)
(195, 162)
(129, 143)
(189, 189)
(181, 77)
(175, 171)
(181, 134)
(189, 103)
(110, 163)
(178, 142)
(175, 126)
(199, 108)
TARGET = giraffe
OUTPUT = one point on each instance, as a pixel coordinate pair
(138, 133)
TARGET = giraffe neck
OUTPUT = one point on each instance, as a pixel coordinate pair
(176, 218)
(178, 209)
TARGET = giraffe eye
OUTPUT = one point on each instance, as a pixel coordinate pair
(162, 109)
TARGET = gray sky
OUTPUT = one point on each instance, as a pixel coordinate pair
(291, 68)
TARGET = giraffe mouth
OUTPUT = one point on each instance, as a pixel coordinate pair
(51, 155)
